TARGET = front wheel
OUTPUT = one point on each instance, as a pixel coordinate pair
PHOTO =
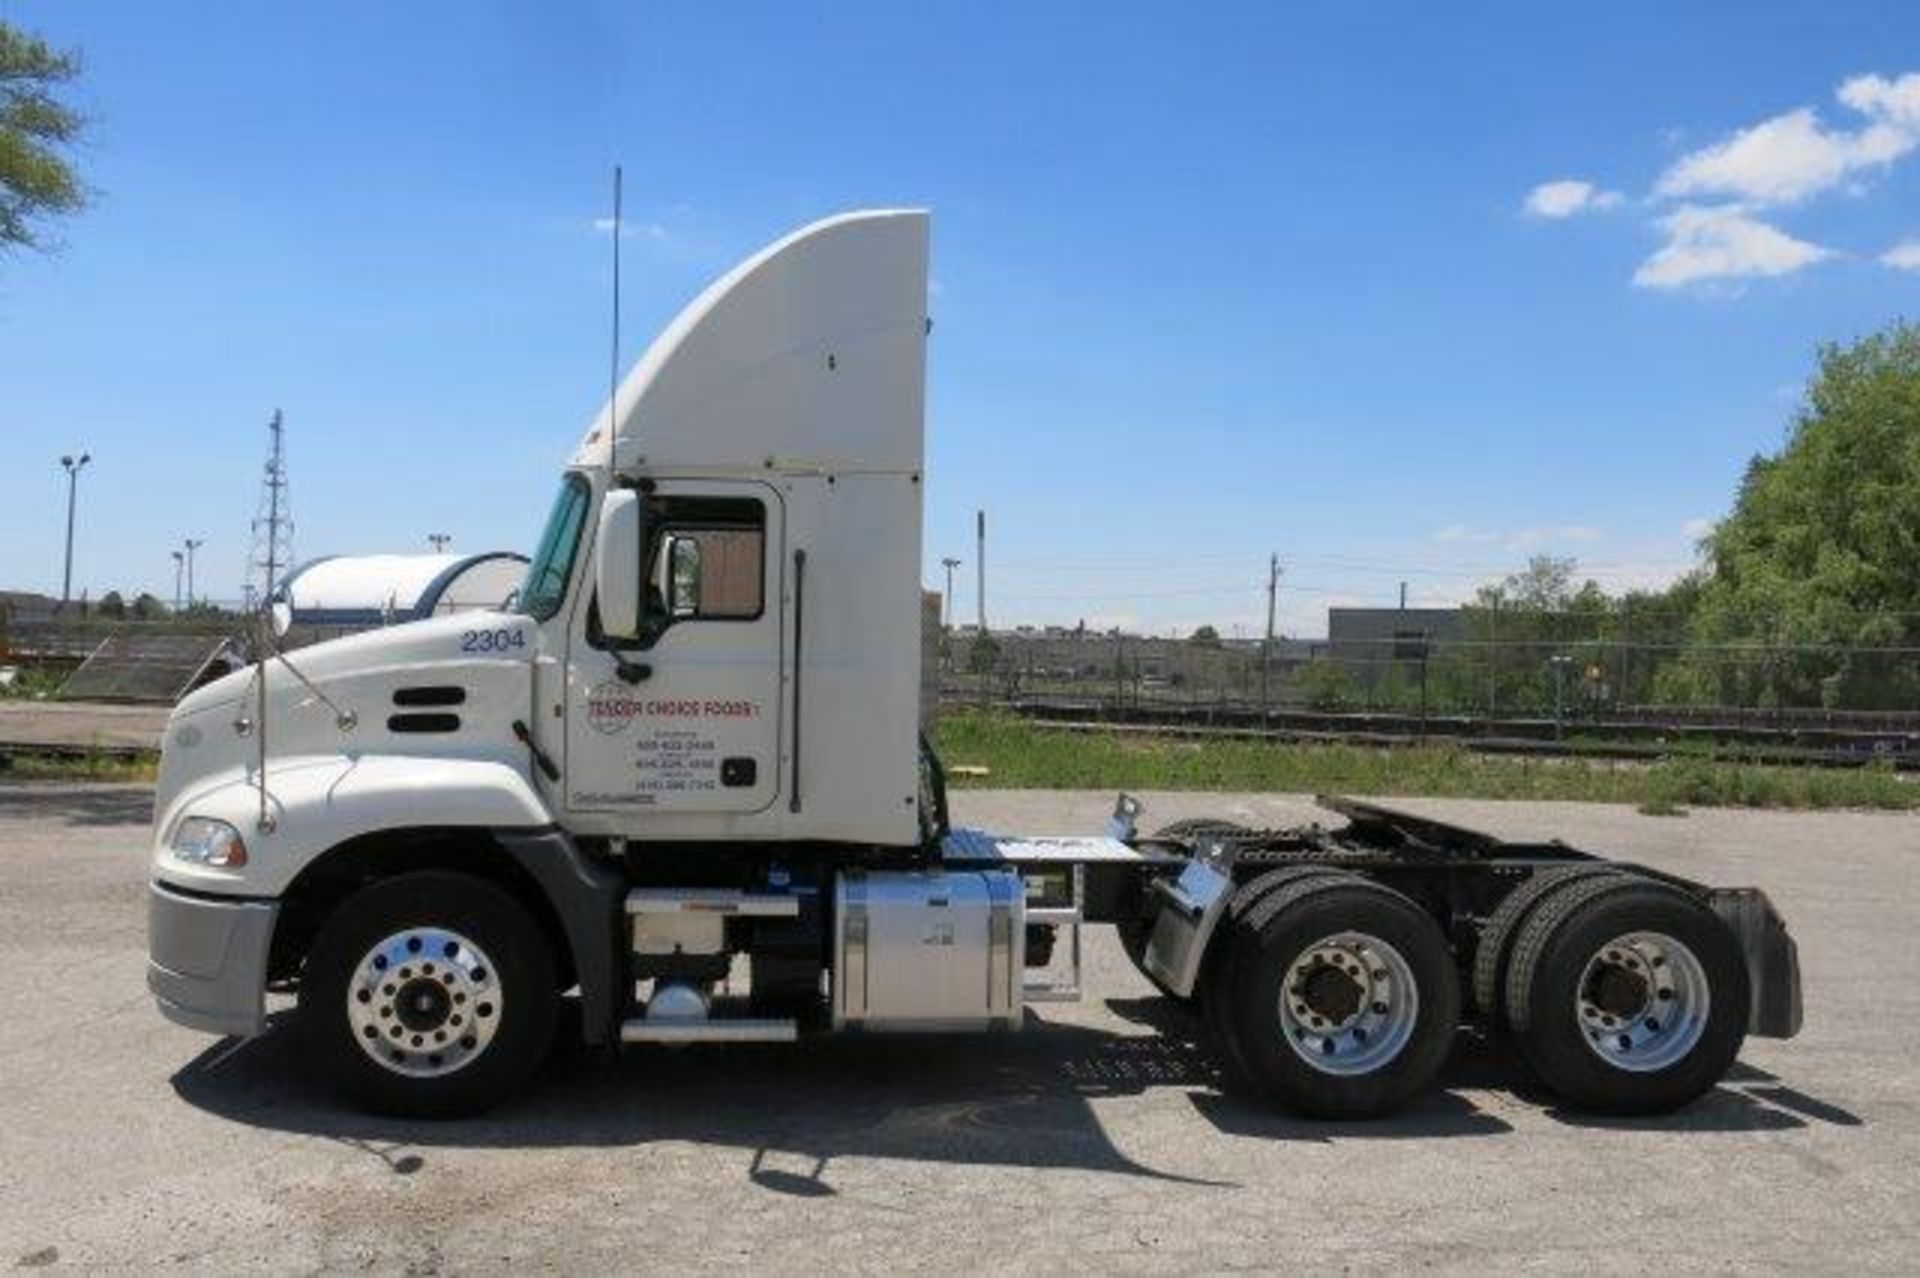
(429, 994)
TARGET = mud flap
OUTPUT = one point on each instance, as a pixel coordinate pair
(1773, 961)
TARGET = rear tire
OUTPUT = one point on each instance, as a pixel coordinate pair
(428, 995)
(1490, 958)
(1340, 998)
(1215, 985)
(1627, 996)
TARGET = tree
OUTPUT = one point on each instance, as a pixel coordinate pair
(112, 605)
(1205, 637)
(983, 654)
(1814, 577)
(37, 180)
(1325, 685)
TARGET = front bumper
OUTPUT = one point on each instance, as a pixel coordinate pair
(207, 960)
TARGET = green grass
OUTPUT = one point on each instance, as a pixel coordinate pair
(33, 683)
(1019, 754)
(95, 765)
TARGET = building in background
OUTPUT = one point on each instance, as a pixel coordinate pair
(1368, 643)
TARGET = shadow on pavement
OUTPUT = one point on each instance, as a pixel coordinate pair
(1019, 1100)
(1022, 1100)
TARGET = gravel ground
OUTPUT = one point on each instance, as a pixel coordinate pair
(1097, 1139)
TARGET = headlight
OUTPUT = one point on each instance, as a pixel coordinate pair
(205, 841)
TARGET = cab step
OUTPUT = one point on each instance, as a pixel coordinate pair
(703, 900)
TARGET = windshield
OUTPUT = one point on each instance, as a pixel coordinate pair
(546, 581)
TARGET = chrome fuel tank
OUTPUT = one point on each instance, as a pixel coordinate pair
(936, 950)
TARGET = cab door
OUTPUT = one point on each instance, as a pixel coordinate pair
(687, 717)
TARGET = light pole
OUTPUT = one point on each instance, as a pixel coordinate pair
(192, 546)
(946, 613)
(439, 542)
(179, 563)
(73, 469)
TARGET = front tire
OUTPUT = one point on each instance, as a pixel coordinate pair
(430, 994)
(1340, 999)
(1627, 996)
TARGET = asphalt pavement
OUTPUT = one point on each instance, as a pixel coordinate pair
(1096, 1139)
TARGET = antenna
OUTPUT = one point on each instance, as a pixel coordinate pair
(272, 552)
(613, 361)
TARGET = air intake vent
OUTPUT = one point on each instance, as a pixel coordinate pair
(423, 723)
(444, 694)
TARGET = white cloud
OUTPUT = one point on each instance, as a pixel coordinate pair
(1722, 242)
(631, 230)
(1904, 256)
(1567, 197)
(1712, 199)
(1783, 160)
(1792, 156)
(1897, 101)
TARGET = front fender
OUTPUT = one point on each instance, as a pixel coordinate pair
(316, 804)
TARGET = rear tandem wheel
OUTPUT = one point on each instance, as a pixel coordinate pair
(1627, 995)
(1336, 996)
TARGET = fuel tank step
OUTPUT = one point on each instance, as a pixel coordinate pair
(725, 1030)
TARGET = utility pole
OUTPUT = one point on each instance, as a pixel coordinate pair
(73, 469)
(1559, 662)
(980, 598)
(192, 546)
(1266, 646)
(439, 542)
(980, 568)
(179, 562)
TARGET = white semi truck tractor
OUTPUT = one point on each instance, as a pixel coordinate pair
(680, 781)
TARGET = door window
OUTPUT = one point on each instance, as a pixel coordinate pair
(706, 561)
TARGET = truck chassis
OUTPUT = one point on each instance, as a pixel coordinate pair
(1332, 964)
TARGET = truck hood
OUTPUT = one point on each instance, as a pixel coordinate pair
(445, 687)
(414, 644)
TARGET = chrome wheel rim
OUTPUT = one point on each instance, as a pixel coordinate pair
(1642, 1002)
(1348, 1004)
(424, 1003)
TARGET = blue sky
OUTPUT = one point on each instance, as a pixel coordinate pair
(1210, 282)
